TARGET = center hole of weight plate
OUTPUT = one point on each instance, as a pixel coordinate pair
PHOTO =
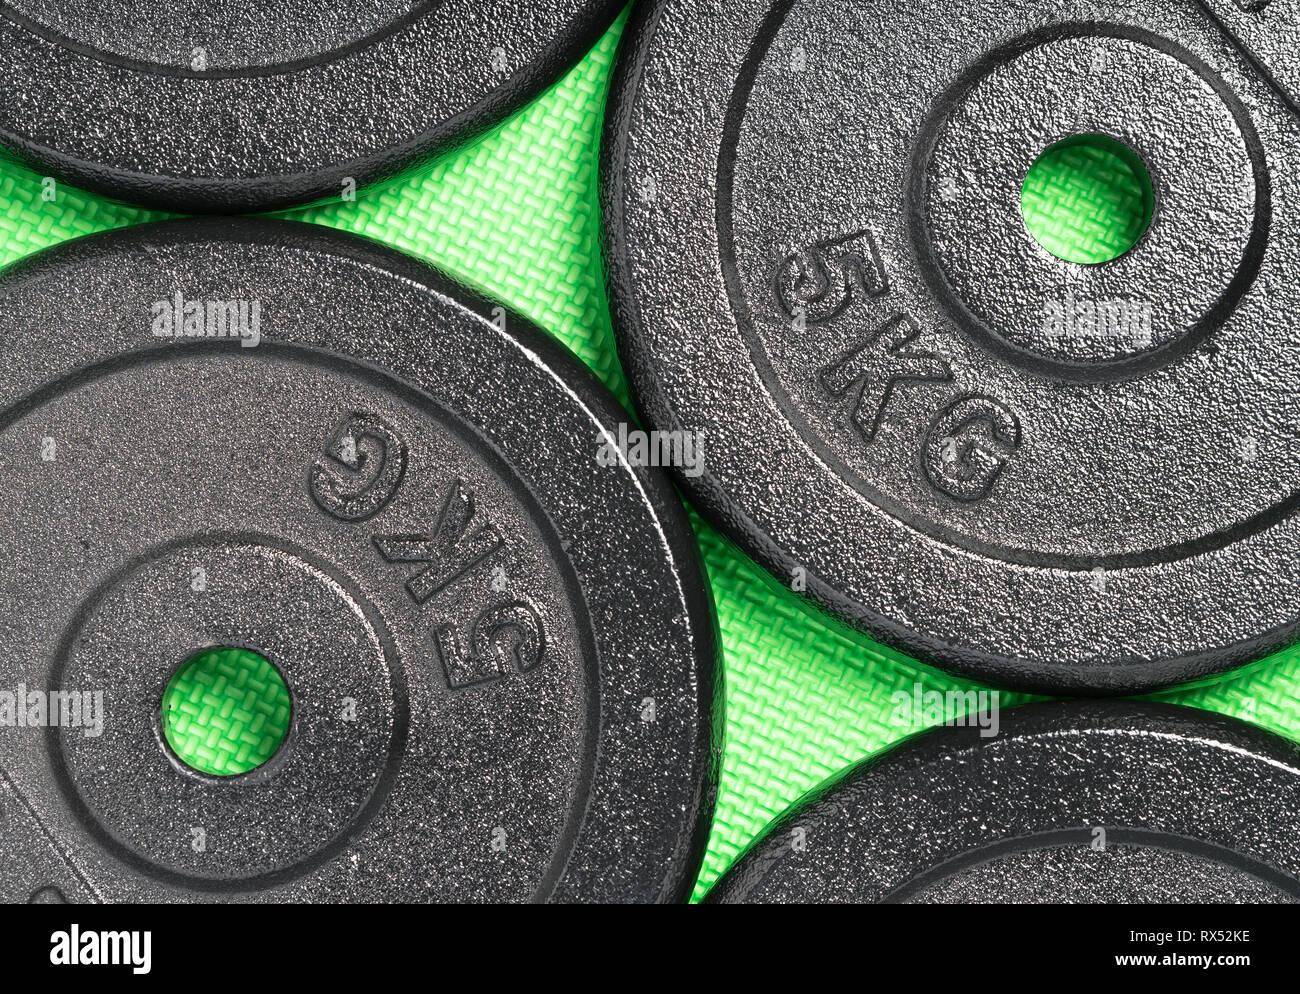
(1088, 199)
(226, 711)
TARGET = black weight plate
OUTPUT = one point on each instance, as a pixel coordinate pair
(500, 651)
(232, 105)
(1098, 802)
(817, 259)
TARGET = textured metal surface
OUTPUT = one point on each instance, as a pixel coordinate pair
(500, 653)
(1046, 475)
(234, 106)
(1269, 32)
(1098, 802)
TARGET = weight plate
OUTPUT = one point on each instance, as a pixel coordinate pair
(498, 647)
(1099, 802)
(1039, 473)
(229, 106)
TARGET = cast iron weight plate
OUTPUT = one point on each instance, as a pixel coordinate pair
(817, 258)
(1098, 802)
(243, 105)
(500, 653)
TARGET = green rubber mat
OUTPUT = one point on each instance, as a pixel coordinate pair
(516, 214)
(226, 711)
(1087, 199)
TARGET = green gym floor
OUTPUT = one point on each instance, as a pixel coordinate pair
(515, 213)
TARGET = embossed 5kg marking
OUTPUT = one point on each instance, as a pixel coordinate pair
(970, 441)
(504, 636)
